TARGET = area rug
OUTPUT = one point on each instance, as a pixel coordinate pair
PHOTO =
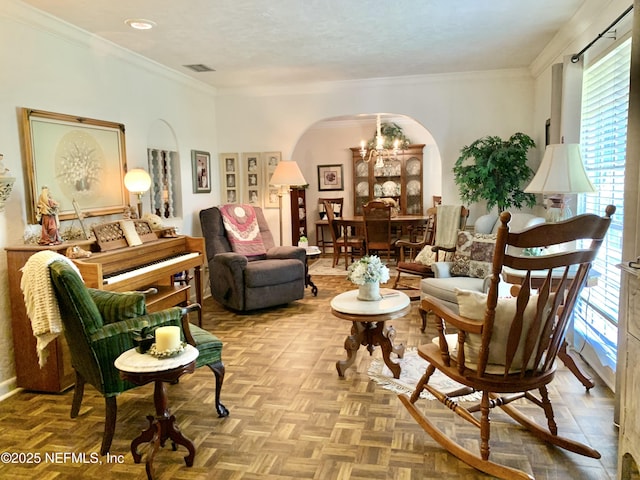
(412, 368)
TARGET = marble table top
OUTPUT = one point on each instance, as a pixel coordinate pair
(132, 361)
(391, 301)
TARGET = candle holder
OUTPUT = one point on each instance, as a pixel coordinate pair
(143, 339)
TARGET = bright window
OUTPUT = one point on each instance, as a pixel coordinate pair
(605, 99)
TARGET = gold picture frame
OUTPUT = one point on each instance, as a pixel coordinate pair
(77, 158)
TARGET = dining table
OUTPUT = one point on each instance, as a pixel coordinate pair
(401, 223)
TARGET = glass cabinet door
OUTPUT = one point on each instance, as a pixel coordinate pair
(361, 186)
(413, 176)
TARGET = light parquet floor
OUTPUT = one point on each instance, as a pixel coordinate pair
(292, 417)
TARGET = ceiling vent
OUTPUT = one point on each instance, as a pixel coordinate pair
(199, 67)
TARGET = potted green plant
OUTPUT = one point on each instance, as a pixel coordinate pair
(495, 170)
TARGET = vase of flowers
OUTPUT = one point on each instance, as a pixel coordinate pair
(368, 273)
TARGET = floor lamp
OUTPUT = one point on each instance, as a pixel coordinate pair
(286, 174)
(137, 182)
(561, 172)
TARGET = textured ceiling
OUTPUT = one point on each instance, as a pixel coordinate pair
(275, 42)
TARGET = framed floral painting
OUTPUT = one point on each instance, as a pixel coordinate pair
(330, 177)
(76, 158)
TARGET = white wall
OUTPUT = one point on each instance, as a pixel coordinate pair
(455, 109)
(47, 65)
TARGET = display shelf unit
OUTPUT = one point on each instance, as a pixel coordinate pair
(400, 178)
(298, 215)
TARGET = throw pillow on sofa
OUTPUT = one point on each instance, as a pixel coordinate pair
(474, 254)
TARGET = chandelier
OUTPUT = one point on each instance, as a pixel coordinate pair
(381, 148)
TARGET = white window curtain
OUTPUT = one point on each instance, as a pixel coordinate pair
(603, 139)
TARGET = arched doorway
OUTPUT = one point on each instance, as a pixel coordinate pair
(329, 142)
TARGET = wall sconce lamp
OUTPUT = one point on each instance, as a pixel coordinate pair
(561, 172)
(286, 175)
(137, 182)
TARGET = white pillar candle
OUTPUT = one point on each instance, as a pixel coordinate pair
(167, 338)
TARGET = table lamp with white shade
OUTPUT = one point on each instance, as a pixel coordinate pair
(561, 172)
(286, 175)
(137, 182)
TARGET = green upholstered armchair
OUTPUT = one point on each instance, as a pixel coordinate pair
(99, 325)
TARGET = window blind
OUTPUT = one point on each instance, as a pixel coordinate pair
(603, 139)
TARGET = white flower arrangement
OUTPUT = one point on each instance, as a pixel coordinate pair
(368, 269)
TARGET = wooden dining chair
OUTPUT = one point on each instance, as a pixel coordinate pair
(342, 240)
(337, 204)
(377, 227)
(505, 348)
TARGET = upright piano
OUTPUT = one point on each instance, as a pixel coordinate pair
(152, 264)
(155, 263)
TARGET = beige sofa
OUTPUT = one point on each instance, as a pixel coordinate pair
(443, 284)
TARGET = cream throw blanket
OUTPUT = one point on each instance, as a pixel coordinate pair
(447, 226)
(40, 299)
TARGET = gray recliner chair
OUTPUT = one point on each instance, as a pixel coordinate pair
(248, 283)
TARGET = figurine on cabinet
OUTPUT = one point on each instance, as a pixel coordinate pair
(47, 214)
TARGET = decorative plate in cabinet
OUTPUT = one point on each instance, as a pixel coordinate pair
(362, 189)
(413, 166)
(390, 188)
(413, 187)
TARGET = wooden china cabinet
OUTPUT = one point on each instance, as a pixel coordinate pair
(400, 178)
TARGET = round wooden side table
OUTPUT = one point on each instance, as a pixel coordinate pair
(368, 325)
(141, 369)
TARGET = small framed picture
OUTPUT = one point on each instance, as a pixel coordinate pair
(201, 168)
(271, 161)
(330, 177)
(229, 179)
(253, 174)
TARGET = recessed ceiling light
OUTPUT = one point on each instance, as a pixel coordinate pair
(140, 23)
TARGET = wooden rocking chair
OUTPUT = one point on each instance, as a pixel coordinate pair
(506, 348)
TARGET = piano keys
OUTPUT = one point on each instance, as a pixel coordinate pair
(152, 264)
(150, 268)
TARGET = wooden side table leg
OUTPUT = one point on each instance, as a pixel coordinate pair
(147, 436)
(570, 363)
(384, 337)
(176, 436)
(423, 316)
(351, 345)
(152, 453)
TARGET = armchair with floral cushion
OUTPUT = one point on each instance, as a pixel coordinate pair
(468, 268)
